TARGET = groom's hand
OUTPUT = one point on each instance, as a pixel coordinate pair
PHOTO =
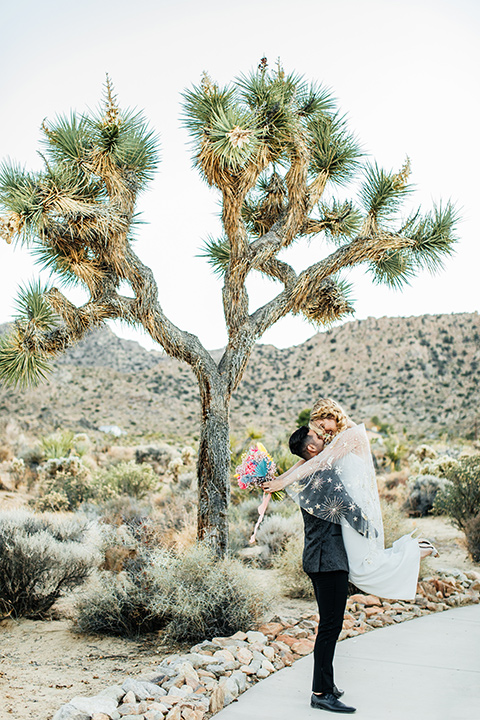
(273, 485)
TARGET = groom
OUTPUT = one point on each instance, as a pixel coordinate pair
(325, 562)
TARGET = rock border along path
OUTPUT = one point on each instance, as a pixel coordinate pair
(214, 673)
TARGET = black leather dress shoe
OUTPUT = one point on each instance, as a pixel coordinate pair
(337, 692)
(328, 701)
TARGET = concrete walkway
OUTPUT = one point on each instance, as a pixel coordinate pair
(424, 669)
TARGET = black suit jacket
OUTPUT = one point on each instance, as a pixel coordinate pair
(324, 550)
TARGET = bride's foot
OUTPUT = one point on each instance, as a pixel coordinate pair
(426, 548)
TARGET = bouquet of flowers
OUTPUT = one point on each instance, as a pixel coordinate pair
(257, 467)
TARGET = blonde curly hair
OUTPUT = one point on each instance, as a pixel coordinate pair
(325, 408)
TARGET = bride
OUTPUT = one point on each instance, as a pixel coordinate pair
(336, 481)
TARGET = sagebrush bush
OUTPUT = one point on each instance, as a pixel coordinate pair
(295, 583)
(460, 498)
(126, 478)
(192, 595)
(40, 558)
(422, 490)
(119, 602)
(211, 597)
(275, 531)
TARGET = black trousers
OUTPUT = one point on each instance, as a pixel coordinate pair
(331, 594)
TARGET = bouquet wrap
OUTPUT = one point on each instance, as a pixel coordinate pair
(257, 467)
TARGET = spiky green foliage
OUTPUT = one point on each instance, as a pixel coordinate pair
(22, 361)
(335, 151)
(341, 220)
(382, 193)
(217, 253)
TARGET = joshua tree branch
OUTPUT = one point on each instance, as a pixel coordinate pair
(309, 282)
(146, 310)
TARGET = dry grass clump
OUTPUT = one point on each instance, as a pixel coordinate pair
(295, 583)
(394, 522)
(41, 556)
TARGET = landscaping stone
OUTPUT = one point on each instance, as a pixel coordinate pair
(255, 636)
(70, 712)
(214, 672)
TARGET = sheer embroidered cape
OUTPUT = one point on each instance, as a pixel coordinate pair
(339, 485)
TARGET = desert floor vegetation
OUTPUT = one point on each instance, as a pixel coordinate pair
(138, 585)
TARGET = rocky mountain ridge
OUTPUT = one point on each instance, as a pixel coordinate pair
(418, 373)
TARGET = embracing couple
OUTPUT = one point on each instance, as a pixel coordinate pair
(334, 483)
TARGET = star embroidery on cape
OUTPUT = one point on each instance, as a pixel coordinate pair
(352, 506)
(355, 519)
(333, 509)
(338, 486)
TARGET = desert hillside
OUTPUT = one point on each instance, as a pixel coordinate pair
(420, 373)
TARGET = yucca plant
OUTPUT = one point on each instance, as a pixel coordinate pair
(275, 148)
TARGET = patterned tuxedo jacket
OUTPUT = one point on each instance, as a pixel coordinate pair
(323, 550)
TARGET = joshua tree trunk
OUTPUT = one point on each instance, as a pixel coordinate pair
(214, 471)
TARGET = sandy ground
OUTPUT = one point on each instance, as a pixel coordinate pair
(44, 664)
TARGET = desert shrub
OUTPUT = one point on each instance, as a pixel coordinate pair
(118, 603)
(188, 455)
(294, 582)
(392, 486)
(283, 458)
(275, 531)
(425, 452)
(118, 510)
(247, 510)
(65, 483)
(126, 478)
(439, 466)
(303, 417)
(211, 597)
(472, 533)
(174, 467)
(17, 470)
(156, 456)
(40, 558)
(422, 490)
(460, 498)
(192, 595)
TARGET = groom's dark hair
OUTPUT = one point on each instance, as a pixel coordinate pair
(298, 442)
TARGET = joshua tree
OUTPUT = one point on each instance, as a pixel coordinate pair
(274, 147)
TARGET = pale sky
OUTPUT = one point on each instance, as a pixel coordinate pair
(405, 72)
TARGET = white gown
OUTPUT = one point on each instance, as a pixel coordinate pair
(388, 573)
